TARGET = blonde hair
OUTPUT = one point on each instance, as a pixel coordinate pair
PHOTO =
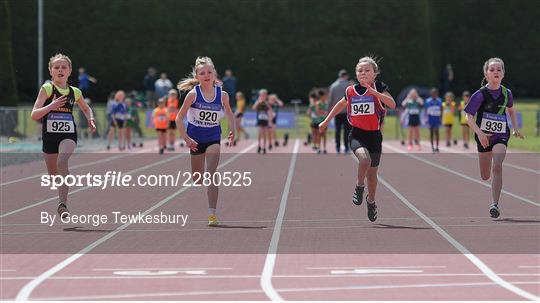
(486, 66)
(449, 94)
(371, 60)
(190, 81)
(59, 56)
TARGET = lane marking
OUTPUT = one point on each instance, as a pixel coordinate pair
(458, 174)
(468, 155)
(80, 165)
(476, 261)
(375, 271)
(270, 261)
(71, 192)
(161, 268)
(373, 267)
(26, 291)
(289, 290)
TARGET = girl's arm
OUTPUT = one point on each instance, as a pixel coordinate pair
(482, 137)
(39, 111)
(341, 105)
(385, 97)
(87, 111)
(404, 102)
(188, 101)
(513, 118)
(230, 116)
(254, 107)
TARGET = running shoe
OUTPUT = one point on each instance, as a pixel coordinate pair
(259, 149)
(358, 195)
(270, 147)
(264, 150)
(466, 146)
(324, 152)
(276, 143)
(161, 150)
(141, 144)
(63, 210)
(409, 147)
(494, 210)
(212, 220)
(371, 211)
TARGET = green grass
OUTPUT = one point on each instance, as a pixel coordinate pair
(391, 131)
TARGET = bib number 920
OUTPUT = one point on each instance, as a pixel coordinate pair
(208, 116)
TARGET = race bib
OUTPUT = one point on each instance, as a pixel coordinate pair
(119, 116)
(60, 123)
(207, 117)
(414, 111)
(161, 118)
(263, 116)
(362, 105)
(493, 123)
(434, 110)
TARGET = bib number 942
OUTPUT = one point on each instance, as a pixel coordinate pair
(362, 108)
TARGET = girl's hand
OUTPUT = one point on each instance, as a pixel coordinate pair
(192, 144)
(516, 133)
(231, 138)
(322, 126)
(484, 139)
(58, 102)
(92, 125)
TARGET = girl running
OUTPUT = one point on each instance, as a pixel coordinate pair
(160, 116)
(413, 104)
(449, 110)
(204, 106)
(365, 107)
(434, 110)
(465, 96)
(54, 106)
(239, 114)
(490, 104)
(312, 113)
(264, 120)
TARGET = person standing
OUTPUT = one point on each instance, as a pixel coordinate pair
(150, 86)
(84, 82)
(163, 85)
(336, 93)
(229, 85)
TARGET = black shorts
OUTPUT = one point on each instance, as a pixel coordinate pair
(448, 125)
(314, 125)
(414, 120)
(371, 140)
(119, 124)
(239, 115)
(172, 124)
(274, 120)
(52, 141)
(263, 123)
(498, 140)
(201, 147)
(161, 130)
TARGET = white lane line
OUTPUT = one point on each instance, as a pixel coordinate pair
(55, 198)
(376, 267)
(26, 291)
(529, 266)
(476, 261)
(160, 268)
(352, 275)
(270, 261)
(468, 155)
(290, 290)
(458, 174)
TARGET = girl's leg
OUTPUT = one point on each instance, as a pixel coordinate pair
(410, 135)
(431, 131)
(110, 136)
(485, 164)
(212, 161)
(51, 161)
(65, 149)
(498, 154)
(121, 138)
(417, 135)
(372, 180)
(465, 130)
(128, 137)
(364, 162)
(323, 135)
(437, 138)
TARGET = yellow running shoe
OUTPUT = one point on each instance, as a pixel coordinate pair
(212, 220)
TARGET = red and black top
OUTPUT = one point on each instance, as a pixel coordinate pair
(364, 110)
